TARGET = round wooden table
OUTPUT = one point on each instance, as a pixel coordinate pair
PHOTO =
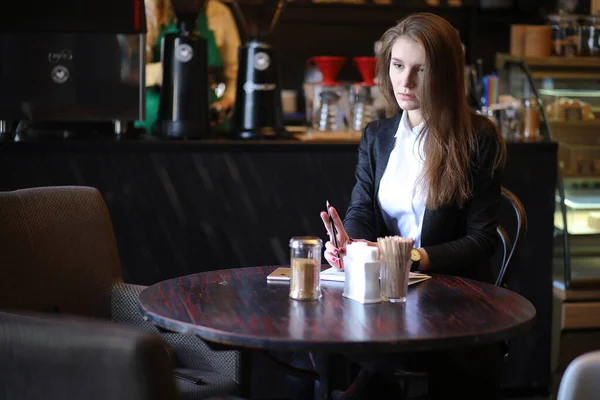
(239, 307)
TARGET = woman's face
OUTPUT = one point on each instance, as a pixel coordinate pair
(406, 72)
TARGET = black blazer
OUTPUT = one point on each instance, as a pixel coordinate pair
(458, 241)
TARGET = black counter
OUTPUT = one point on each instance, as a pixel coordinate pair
(188, 206)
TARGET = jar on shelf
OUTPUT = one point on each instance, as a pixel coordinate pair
(538, 41)
(531, 120)
(565, 34)
(590, 36)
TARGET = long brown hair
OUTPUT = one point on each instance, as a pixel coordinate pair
(449, 138)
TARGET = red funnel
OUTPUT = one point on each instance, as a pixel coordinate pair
(329, 67)
(366, 66)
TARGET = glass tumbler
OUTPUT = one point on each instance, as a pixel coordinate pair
(394, 280)
(305, 280)
(395, 253)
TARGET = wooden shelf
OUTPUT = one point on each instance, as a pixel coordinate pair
(563, 68)
(549, 62)
(565, 75)
(578, 295)
(592, 125)
(576, 133)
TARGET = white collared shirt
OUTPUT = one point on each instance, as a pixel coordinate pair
(402, 202)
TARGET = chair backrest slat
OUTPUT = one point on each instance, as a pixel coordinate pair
(510, 246)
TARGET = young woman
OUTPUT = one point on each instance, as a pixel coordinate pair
(431, 173)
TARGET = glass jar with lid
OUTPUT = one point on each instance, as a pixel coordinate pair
(565, 34)
(305, 257)
(590, 36)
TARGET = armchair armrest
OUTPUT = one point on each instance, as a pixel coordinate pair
(51, 356)
(191, 351)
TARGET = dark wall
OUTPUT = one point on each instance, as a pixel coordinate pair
(532, 177)
(307, 29)
(350, 31)
(186, 207)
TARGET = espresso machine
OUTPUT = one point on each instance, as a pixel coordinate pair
(71, 68)
(184, 102)
(258, 113)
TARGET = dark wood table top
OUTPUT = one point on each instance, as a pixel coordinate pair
(239, 307)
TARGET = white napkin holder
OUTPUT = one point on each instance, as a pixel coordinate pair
(362, 267)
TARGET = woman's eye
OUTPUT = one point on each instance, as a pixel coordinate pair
(397, 65)
(421, 70)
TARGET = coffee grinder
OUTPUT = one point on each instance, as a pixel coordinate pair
(258, 113)
(184, 103)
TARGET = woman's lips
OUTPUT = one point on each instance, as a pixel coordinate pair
(405, 96)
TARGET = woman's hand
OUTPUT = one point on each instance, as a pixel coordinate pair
(333, 254)
(154, 74)
(221, 108)
(223, 104)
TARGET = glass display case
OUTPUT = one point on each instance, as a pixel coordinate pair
(571, 105)
(583, 211)
(567, 90)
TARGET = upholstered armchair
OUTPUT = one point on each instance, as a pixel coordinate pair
(58, 253)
